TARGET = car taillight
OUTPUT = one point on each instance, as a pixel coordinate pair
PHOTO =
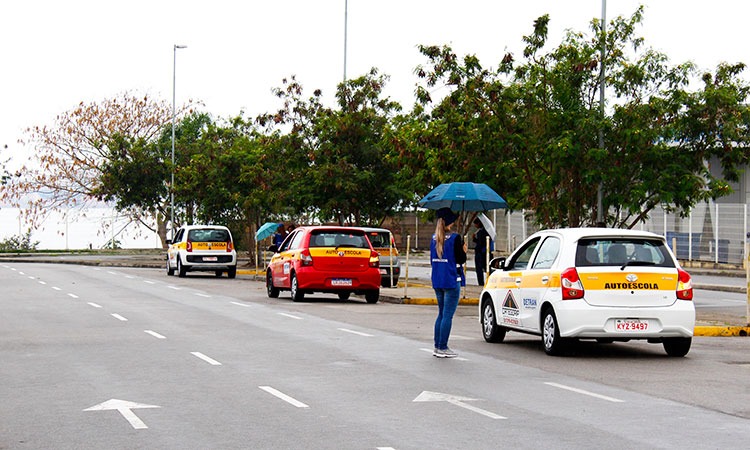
(374, 259)
(230, 246)
(572, 288)
(684, 285)
(189, 246)
(305, 258)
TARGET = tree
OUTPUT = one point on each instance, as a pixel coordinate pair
(69, 158)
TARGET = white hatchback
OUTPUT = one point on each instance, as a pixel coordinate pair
(207, 248)
(590, 283)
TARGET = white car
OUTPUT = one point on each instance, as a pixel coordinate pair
(207, 248)
(590, 283)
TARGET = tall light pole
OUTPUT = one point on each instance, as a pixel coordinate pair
(346, 25)
(600, 217)
(171, 186)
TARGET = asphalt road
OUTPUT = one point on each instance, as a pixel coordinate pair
(94, 357)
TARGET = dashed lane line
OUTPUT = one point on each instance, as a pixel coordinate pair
(584, 392)
(291, 316)
(282, 396)
(358, 333)
(94, 305)
(205, 358)
(119, 317)
(155, 334)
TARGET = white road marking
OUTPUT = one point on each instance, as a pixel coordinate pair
(200, 294)
(240, 304)
(21, 273)
(173, 287)
(428, 396)
(149, 282)
(211, 361)
(291, 316)
(358, 333)
(111, 273)
(125, 409)
(32, 278)
(581, 391)
(72, 295)
(154, 334)
(42, 282)
(282, 396)
(129, 277)
(385, 448)
(119, 317)
(56, 288)
(94, 305)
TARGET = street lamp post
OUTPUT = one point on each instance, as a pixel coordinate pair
(171, 186)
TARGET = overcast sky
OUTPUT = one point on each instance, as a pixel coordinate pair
(55, 54)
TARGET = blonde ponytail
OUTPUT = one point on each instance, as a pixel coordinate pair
(439, 237)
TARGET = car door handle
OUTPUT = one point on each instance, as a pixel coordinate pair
(545, 279)
(518, 280)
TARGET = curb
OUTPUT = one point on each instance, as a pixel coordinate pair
(718, 331)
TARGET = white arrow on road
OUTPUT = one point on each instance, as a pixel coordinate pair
(427, 396)
(124, 407)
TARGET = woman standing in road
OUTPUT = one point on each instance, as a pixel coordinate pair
(447, 251)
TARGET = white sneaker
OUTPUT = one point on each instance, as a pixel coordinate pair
(448, 353)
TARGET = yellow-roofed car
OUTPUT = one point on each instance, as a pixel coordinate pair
(206, 248)
(338, 260)
(590, 283)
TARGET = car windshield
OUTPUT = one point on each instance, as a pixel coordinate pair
(208, 235)
(622, 252)
(326, 238)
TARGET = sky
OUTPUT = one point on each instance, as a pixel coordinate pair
(55, 54)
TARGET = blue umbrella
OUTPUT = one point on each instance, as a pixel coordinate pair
(267, 229)
(463, 196)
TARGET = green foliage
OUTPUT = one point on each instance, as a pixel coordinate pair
(21, 243)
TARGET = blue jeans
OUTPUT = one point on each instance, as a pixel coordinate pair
(447, 303)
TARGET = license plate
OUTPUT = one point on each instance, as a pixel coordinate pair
(631, 325)
(209, 259)
(383, 272)
(341, 282)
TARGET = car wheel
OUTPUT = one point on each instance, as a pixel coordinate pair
(553, 344)
(170, 270)
(372, 296)
(297, 294)
(385, 282)
(273, 291)
(181, 270)
(232, 271)
(677, 346)
(218, 273)
(491, 331)
(343, 296)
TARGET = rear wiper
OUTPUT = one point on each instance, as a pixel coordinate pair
(637, 263)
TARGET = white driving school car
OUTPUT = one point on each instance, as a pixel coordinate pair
(590, 283)
(206, 248)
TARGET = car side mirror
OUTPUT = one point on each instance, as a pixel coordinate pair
(497, 264)
(273, 248)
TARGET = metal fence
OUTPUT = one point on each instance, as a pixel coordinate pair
(713, 232)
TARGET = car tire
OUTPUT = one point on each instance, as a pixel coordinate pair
(170, 270)
(232, 272)
(554, 345)
(181, 270)
(490, 330)
(372, 296)
(297, 294)
(343, 296)
(218, 273)
(677, 347)
(273, 291)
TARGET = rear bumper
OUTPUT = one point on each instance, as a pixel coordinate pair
(310, 279)
(577, 319)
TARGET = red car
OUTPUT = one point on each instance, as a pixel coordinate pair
(328, 259)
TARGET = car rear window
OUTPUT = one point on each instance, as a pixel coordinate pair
(338, 239)
(379, 239)
(208, 235)
(622, 251)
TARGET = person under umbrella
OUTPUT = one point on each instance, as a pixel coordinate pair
(447, 250)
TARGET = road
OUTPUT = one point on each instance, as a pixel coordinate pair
(95, 357)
